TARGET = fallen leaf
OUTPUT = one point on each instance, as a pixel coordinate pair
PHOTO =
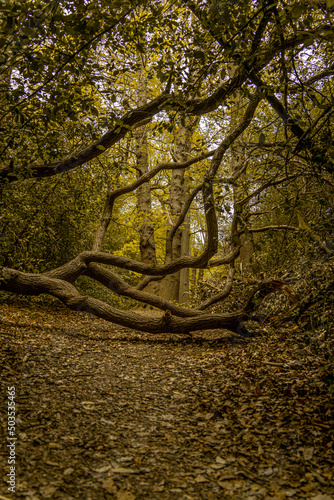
(108, 422)
(308, 453)
(105, 468)
(308, 487)
(125, 495)
(201, 479)
(322, 497)
(124, 470)
(88, 405)
(229, 485)
(109, 485)
(68, 471)
(291, 493)
(48, 491)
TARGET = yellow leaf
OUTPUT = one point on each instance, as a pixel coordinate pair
(302, 223)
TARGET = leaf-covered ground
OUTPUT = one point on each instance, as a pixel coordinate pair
(109, 413)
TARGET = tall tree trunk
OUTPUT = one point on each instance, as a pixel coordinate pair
(184, 273)
(193, 282)
(146, 229)
(175, 287)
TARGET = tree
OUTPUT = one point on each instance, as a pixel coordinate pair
(69, 66)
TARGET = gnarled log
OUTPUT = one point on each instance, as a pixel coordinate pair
(36, 284)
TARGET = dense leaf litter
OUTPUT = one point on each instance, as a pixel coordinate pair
(109, 413)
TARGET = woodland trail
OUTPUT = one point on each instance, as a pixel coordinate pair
(104, 412)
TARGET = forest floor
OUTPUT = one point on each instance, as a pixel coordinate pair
(104, 412)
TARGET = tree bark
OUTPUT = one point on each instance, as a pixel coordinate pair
(34, 284)
(177, 235)
(184, 273)
(143, 193)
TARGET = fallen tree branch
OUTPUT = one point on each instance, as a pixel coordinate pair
(120, 287)
(36, 284)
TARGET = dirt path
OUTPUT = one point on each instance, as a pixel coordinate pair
(108, 413)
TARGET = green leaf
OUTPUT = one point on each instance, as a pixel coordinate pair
(262, 139)
(297, 11)
(302, 223)
(309, 41)
(330, 4)
(100, 147)
(28, 31)
(199, 54)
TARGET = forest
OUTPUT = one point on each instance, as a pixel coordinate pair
(149, 148)
(168, 166)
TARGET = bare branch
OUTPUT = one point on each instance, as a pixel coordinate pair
(271, 182)
(107, 213)
(227, 259)
(195, 107)
(318, 155)
(313, 79)
(272, 228)
(73, 269)
(221, 295)
(276, 104)
(231, 138)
